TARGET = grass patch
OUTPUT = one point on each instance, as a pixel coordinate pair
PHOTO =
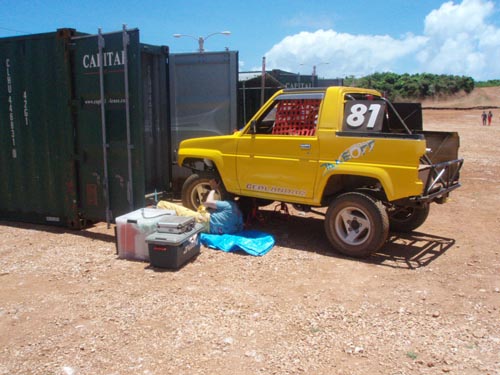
(411, 354)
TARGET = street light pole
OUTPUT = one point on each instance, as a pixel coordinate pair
(313, 76)
(201, 39)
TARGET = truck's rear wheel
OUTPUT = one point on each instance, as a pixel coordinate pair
(406, 219)
(196, 188)
(356, 224)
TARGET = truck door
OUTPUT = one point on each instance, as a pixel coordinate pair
(278, 154)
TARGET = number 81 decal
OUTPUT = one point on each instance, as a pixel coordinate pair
(364, 115)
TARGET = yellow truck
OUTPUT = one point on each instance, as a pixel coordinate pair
(367, 160)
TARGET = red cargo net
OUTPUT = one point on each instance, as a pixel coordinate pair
(296, 117)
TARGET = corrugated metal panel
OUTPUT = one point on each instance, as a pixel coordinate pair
(148, 129)
(203, 98)
(203, 89)
(103, 170)
(36, 157)
(157, 149)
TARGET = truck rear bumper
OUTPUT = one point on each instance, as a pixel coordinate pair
(439, 180)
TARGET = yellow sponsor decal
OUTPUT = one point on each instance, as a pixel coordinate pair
(276, 190)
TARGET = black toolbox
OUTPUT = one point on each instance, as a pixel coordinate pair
(173, 250)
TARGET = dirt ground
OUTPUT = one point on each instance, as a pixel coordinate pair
(428, 303)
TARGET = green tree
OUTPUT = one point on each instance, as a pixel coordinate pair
(413, 86)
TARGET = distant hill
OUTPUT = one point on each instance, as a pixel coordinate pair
(481, 97)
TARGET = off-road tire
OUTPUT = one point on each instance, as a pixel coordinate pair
(356, 224)
(196, 188)
(407, 219)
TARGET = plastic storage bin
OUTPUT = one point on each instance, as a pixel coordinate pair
(173, 250)
(132, 230)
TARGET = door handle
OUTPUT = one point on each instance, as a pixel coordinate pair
(305, 146)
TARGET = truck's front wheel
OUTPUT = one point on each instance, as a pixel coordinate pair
(356, 224)
(196, 188)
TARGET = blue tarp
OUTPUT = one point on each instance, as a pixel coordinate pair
(252, 242)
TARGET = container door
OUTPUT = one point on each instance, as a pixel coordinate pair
(157, 149)
(203, 93)
(109, 131)
(38, 179)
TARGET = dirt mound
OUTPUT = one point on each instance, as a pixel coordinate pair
(482, 97)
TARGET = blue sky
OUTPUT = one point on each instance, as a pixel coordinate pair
(340, 38)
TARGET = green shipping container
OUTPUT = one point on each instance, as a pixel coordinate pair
(84, 130)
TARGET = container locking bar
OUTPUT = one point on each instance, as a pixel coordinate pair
(130, 192)
(100, 45)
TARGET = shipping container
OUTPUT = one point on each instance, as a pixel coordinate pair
(84, 126)
(85, 130)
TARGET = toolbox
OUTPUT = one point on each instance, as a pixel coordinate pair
(175, 224)
(132, 230)
(173, 250)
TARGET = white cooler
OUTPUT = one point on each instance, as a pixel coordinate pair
(132, 230)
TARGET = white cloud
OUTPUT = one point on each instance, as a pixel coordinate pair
(457, 39)
(345, 53)
(452, 19)
(460, 40)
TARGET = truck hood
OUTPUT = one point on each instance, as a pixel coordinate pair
(207, 142)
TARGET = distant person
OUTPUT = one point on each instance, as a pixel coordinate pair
(490, 116)
(484, 116)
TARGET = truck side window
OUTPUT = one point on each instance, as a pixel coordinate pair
(296, 117)
(264, 125)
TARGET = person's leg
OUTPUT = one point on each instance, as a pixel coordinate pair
(179, 210)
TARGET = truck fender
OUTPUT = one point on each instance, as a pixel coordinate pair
(199, 162)
(375, 173)
(213, 162)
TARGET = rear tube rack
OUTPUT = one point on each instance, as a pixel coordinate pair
(442, 179)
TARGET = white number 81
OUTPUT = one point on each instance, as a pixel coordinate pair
(357, 116)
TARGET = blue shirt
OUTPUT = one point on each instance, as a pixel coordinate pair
(226, 218)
